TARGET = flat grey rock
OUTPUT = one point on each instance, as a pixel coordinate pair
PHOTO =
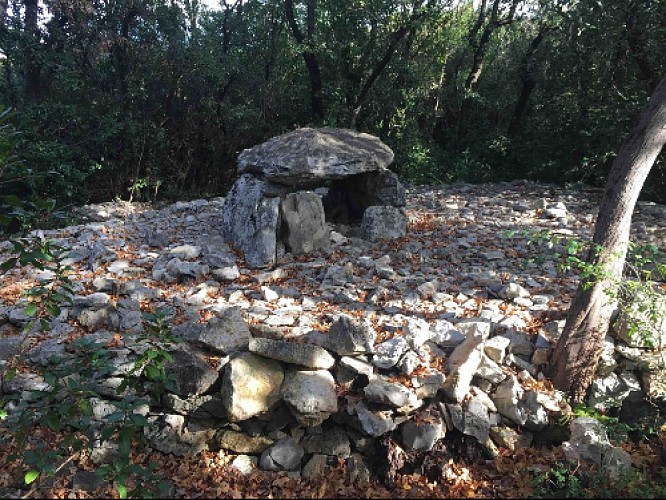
(256, 237)
(421, 435)
(389, 393)
(307, 355)
(383, 222)
(226, 332)
(347, 336)
(303, 155)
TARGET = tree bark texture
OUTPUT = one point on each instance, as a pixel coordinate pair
(576, 355)
(33, 66)
(311, 61)
(395, 39)
(478, 60)
(529, 69)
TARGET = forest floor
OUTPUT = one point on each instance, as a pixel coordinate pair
(469, 239)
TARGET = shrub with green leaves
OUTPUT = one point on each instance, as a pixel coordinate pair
(64, 406)
(568, 480)
(640, 299)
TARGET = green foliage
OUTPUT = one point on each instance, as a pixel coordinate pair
(618, 431)
(566, 480)
(17, 218)
(64, 406)
(155, 340)
(156, 99)
(638, 296)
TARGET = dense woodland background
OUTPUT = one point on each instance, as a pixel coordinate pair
(150, 99)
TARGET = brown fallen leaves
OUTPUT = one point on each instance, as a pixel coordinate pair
(210, 475)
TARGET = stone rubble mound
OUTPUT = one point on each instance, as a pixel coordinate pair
(444, 332)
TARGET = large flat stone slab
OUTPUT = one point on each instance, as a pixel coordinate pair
(311, 356)
(305, 155)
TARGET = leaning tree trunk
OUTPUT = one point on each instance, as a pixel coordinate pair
(577, 352)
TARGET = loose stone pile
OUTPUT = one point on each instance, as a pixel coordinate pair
(442, 331)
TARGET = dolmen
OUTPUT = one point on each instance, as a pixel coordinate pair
(295, 187)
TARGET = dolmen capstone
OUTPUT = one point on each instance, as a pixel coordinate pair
(294, 187)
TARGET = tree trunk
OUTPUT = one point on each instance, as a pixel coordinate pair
(529, 67)
(649, 72)
(396, 37)
(4, 7)
(30, 54)
(478, 60)
(309, 56)
(577, 352)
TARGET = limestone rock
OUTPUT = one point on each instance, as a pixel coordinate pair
(305, 155)
(421, 435)
(589, 442)
(225, 332)
(513, 291)
(285, 454)
(245, 464)
(170, 436)
(239, 442)
(348, 337)
(489, 370)
(192, 375)
(465, 360)
(507, 437)
(332, 442)
(383, 222)
(610, 391)
(307, 355)
(374, 423)
(389, 352)
(445, 335)
(633, 324)
(250, 221)
(303, 223)
(416, 332)
(357, 365)
(358, 470)
(310, 395)
(495, 348)
(316, 466)
(507, 399)
(251, 386)
(389, 393)
(471, 418)
(198, 406)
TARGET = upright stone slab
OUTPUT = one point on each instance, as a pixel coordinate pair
(305, 156)
(250, 221)
(303, 223)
